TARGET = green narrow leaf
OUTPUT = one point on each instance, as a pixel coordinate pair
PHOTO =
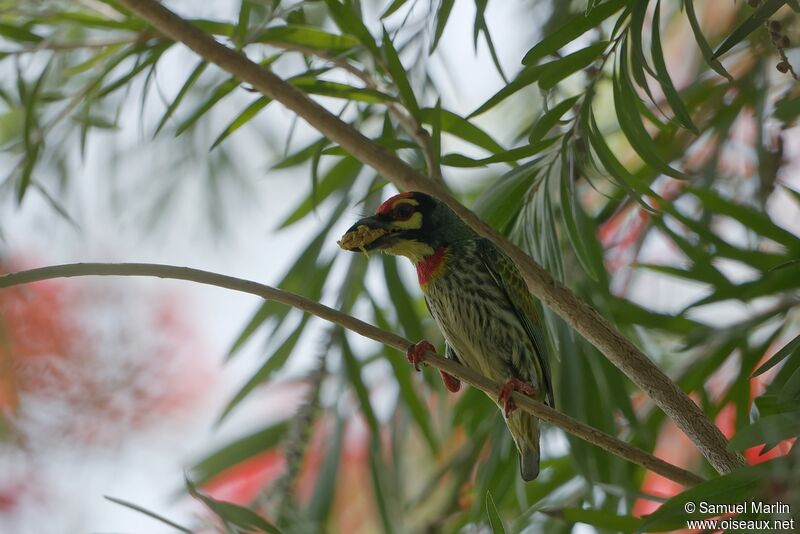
(482, 27)
(627, 312)
(461, 128)
(296, 280)
(633, 185)
(601, 519)
(785, 375)
(663, 77)
(790, 348)
(436, 134)
(152, 57)
(220, 91)
(233, 514)
(391, 142)
(17, 33)
(239, 450)
(767, 430)
(442, 14)
(240, 33)
(141, 510)
(248, 113)
(94, 60)
(494, 517)
(275, 362)
(85, 19)
(33, 146)
(349, 21)
(353, 369)
(789, 391)
(568, 207)
(378, 473)
(325, 487)
(787, 108)
(401, 300)
(308, 37)
(302, 155)
(630, 121)
(733, 487)
(557, 70)
(499, 203)
(399, 75)
(214, 27)
(512, 155)
(758, 259)
(526, 77)
(57, 207)
(758, 221)
(341, 176)
(700, 38)
(340, 90)
(190, 81)
(408, 394)
(770, 283)
(397, 4)
(759, 16)
(572, 29)
(638, 63)
(549, 119)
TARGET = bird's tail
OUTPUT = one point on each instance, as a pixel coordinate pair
(524, 429)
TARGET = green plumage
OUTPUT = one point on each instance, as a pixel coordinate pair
(477, 297)
(490, 322)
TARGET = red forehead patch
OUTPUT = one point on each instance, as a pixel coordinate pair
(386, 207)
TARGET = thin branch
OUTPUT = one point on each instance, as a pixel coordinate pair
(71, 46)
(578, 314)
(405, 119)
(527, 404)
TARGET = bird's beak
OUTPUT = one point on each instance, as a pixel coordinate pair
(370, 233)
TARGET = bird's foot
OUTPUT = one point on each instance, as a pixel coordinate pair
(511, 385)
(416, 356)
(452, 383)
(416, 353)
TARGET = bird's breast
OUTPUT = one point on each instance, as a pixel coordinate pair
(431, 266)
(476, 318)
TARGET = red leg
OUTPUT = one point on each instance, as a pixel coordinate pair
(452, 383)
(513, 384)
(416, 353)
(416, 356)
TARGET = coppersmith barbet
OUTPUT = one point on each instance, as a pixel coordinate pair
(477, 297)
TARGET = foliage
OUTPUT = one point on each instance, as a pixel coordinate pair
(631, 146)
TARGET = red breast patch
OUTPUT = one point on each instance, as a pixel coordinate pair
(428, 267)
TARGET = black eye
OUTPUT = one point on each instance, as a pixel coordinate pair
(402, 212)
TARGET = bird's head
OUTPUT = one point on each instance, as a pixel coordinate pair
(410, 224)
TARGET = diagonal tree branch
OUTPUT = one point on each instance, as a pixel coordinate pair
(527, 404)
(578, 314)
(403, 117)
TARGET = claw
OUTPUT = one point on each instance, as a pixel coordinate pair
(511, 385)
(416, 353)
(452, 383)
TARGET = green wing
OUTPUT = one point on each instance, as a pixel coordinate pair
(507, 277)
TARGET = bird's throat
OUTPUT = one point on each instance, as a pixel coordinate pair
(430, 266)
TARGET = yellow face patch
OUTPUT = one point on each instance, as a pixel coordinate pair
(412, 223)
(413, 250)
(409, 201)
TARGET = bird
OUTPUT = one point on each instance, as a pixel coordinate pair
(479, 300)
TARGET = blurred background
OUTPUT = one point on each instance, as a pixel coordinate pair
(659, 183)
